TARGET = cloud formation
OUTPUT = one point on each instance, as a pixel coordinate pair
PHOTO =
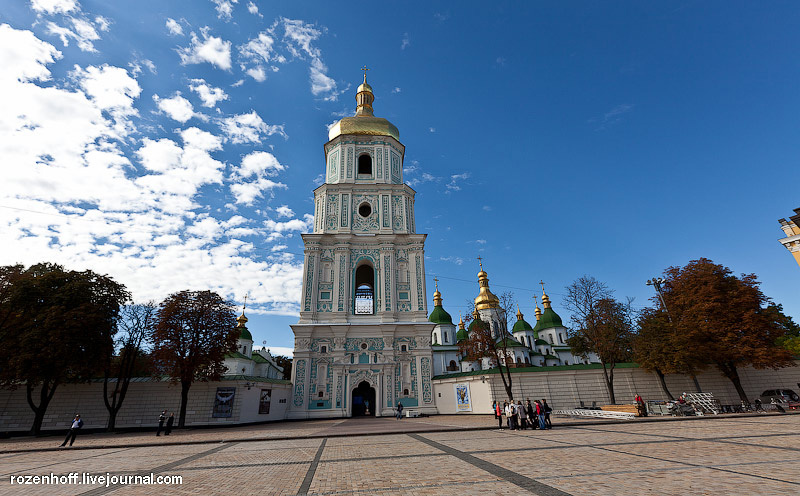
(210, 49)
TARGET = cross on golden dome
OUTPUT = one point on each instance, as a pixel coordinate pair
(365, 69)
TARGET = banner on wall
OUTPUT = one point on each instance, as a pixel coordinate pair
(223, 402)
(463, 402)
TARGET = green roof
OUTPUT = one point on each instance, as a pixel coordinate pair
(440, 316)
(236, 354)
(511, 343)
(521, 325)
(541, 342)
(245, 334)
(259, 359)
(461, 335)
(548, 319)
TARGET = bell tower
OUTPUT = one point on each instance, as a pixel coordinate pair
(363, 293)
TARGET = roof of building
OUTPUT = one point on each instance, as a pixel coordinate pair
(521, 325)
(439, 315)
(364, 122)
(510, 343)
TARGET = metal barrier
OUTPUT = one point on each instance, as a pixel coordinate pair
(596, 414)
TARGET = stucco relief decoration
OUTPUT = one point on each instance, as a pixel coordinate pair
(365, 223)
(342, 275)
(339, 381)
(387, 260)
(309, 281)
(349, 161)
(379, 164)
(301, 344)
(427, 393)
(338, 343)
(373, 344)
(364, 375)
(423, 341)
(300, 379)
(333, 208)
(385, 209)
(395, 168)
(345, 209)
(397, 212)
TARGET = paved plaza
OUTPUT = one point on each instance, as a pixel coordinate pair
(719, 455)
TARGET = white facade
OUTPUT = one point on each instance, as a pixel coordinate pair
(363, 342)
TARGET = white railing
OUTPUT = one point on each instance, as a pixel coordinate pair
(596, 413)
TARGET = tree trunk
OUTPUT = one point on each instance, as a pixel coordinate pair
(45, 395)
(609, 376)
(184, 400)
(662, 380)
(696, 384)
(729, 370)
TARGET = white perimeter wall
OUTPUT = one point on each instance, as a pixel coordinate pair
(565, 389)
(142, 406)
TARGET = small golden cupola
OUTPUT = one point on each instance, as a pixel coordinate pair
(364, 122)
(537, 311)
(485, 299)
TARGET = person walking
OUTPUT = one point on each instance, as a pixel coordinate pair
(509, 415)
(531, 414)
(523, 416)
(498, 414)
(170, 421)
(76, 425)
(399, 410)
(540, 414)
(547, 411)
(161, 419)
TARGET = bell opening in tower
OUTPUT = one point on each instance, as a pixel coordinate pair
(365, 165)
(365, 293)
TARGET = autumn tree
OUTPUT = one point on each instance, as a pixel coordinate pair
(600, 325)
(286, 363)
(133, 326)
(56, 327)
(482, 342)
(193, 331)
(655, 349)
(725, 320)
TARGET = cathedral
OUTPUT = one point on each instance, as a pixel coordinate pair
(365, 343)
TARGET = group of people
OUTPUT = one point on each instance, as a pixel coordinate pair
(535, 415)
(169, 420)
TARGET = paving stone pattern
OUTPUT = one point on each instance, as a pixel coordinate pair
(745, 455)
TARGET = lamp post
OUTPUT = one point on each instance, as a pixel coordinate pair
(657, 282)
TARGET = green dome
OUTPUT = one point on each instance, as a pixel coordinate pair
(521, 325)
(440, 316)
(462, 335)
(474, 324)
(549, 319)
(245, 334)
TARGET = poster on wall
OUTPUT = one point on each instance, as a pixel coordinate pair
(223, 402)
(263, 403)
(463, 402)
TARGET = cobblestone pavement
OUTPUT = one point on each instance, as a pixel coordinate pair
(745, 455)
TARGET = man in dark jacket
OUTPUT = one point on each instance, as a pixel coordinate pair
(77, 423)
(161, 419)
(170, 421)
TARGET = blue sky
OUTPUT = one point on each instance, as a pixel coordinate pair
(176, 144)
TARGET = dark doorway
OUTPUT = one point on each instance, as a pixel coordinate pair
(364, 400)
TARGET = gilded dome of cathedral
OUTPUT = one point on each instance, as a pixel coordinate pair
(364, 122)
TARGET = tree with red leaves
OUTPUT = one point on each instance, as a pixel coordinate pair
(192, 333)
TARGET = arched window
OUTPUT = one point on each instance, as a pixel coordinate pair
(446, 337)
(365, 290)
(527, 361)
(365, 165)
(403, 348)
(323, 349)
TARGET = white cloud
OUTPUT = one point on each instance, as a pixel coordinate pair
(396, 89)
(224, 8)
(210, 95)
(253, 9)
(290, 225)
(54, 6)
(432, 129)
(258, 165)
(454, 185)
(284, 211)
(82, 32)
(174, 27)
(257, 73)
(299, 37)
(74, 196)
(405, 42)
(211, 49)
(177, 107)
(248, 128)
(102, 23)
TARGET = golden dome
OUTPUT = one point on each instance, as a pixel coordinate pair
(485, 299)
(364, 122)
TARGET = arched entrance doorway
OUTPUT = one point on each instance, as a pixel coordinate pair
(363, 400)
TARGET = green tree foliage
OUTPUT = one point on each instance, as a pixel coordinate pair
(286, 363)
(724, 320)
(192, 333)
(600, 325)
(56, 326)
